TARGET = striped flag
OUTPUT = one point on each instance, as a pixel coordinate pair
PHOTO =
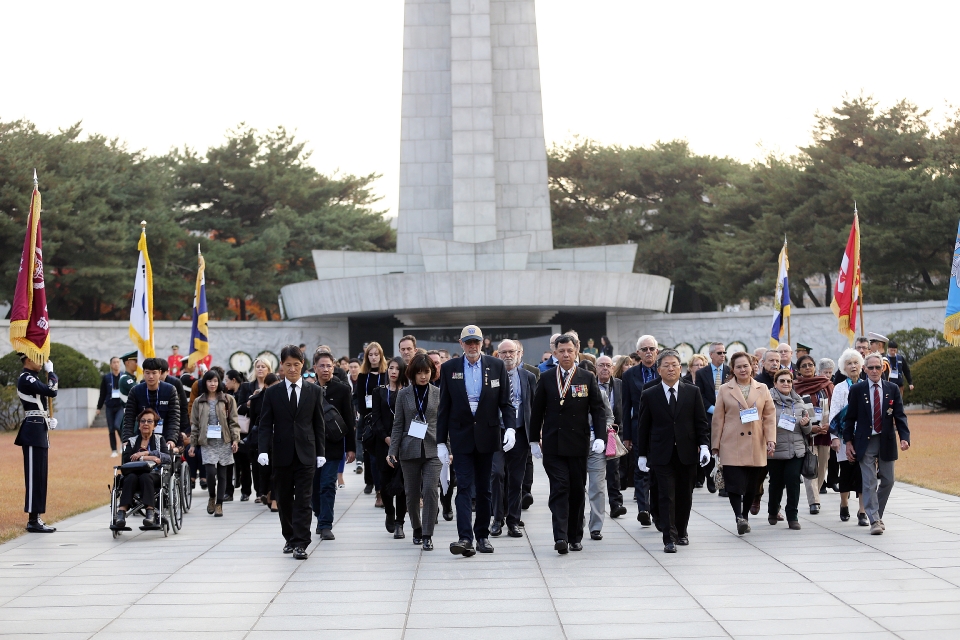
(951, 324)
(781, 299)
(141, 304)
(846, 292)
(199, 334)
(29, 320)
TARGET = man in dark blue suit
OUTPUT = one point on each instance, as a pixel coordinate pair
(509, 465)
(635, 380)
(474, 393)
(708, 381)
(875, 429)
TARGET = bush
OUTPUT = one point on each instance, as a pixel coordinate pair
(74, 369)
(937, 379)
(11, 410)
(917, 343)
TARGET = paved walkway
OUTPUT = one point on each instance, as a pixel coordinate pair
(226, 578)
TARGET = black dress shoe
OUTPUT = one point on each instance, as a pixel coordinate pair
(448, 514)
(596, 535)
(823, 490)
(244, 497)
(724, 494)
(203, 483)
(319, 530)
(835, 487)
(514, 531)
(484, 546)
(814, 509)
(428, 544)
(561, 547)
(327, 534)
(462, 547)
(526, 500)
(389, 523)
(684, 541)
(669, 548)
(288, 548)
(299, 553)
(644, 518)
(368, 489)
(698, 485)
(576, 546)
(398, 533)
(844, 514)
(862, 520)
(417, 539)
(711, 485)
(496, 529)
(228, 497)
(617, 511)
(121, 520)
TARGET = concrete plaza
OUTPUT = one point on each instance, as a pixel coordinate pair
(226, 578)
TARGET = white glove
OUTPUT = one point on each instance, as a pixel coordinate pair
(642, 464)
(321, 461)
(535, 450)
(442, 453)
(704, 455)
(599, 446)
(53, 423)
(509, 439)
(263, 459)
(48, 366)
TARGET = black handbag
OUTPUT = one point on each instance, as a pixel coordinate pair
(334, 426)
(137, 467)
(810, 464)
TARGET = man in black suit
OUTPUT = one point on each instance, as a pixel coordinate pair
(566, 399)
(635, 380)
(673, 435)
(509, 465)
(769, 367)
(474, 393)
(292, 433)
(708, 381)
(874, 424)
(612, 388)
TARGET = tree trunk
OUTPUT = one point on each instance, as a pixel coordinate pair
(828, 290)
(243, 308)
(813, 298)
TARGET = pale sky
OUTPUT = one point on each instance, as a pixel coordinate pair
(732, 78)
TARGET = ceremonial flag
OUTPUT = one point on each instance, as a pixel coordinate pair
(846, 293)
(951, 324)
(781, 300)
(141, 305)
(199, 334)
(29, 321)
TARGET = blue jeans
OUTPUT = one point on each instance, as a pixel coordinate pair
(325, 494)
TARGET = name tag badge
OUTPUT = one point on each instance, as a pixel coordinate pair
(494, 383)
(368, 401)
(457, 376)
(213, 431)
(787, 422)
(894, 374)
(818, 414)
(417, 429)
(115, 394)
(160, 425)
(749, 415)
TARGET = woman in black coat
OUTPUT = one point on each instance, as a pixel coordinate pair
(391, 478)
(373, 375)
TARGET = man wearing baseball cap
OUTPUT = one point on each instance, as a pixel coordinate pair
(474, 394)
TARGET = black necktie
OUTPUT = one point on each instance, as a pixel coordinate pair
(293, 399)
(673, 400)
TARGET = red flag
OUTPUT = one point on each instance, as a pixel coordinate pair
(846, 293)
(29, 321)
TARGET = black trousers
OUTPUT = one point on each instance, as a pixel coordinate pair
(528, 473)
(675, 494)
(704, 472)
(241, 468)
(35, 479)
(509, 471)
(293, 490)
(145, 483)
(568, 490)
(473, 474)
(392, 490)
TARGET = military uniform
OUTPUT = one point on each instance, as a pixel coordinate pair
(34, 440)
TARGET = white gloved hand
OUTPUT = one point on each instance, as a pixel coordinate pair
(642, 464)
(53, 423)
(48, 366)
(704, 455)
(509, 439)
(442, 453)
(535, 450)
(599, 446)
(263, 459)
(321, 461)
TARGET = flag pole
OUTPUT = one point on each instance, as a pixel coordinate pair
(863, 328)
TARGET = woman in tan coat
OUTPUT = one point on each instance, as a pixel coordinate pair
(215, 429)
(744, 435)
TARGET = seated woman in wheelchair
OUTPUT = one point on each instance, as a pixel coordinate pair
(148, 447)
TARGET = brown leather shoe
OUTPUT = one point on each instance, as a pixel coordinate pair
(218, 511)
(794, 525)
(755, 507)
(379, 503)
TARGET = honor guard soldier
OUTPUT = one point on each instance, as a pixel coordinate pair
(33, 438)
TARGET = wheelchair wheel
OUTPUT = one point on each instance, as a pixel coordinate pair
(176, 516)
(185, 487)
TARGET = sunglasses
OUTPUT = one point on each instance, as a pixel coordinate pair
(874, 368)
(720, 353)
(646, 349)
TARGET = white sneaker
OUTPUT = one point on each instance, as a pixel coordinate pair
(114, 454)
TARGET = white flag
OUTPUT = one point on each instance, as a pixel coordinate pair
(141, 305)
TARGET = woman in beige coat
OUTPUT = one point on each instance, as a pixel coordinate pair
(744, 435)
(216, 430)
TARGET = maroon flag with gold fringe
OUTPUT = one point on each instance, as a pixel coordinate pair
(29, 321)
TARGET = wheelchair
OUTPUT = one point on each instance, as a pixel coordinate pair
(168, 512)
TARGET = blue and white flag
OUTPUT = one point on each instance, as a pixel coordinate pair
(781, 299)
(951, 324)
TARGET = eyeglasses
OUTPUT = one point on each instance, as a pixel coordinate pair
(784, 381)
(151, 421)
(874, 368)
(646, 349)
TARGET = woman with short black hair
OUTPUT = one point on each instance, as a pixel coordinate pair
(215, 429)
(391, 494)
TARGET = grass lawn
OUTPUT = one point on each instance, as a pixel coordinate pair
(80, 471)
(932, 460)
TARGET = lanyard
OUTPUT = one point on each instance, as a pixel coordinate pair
(421, 402)
(563, 387)
(389, 406)
(366, 383)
